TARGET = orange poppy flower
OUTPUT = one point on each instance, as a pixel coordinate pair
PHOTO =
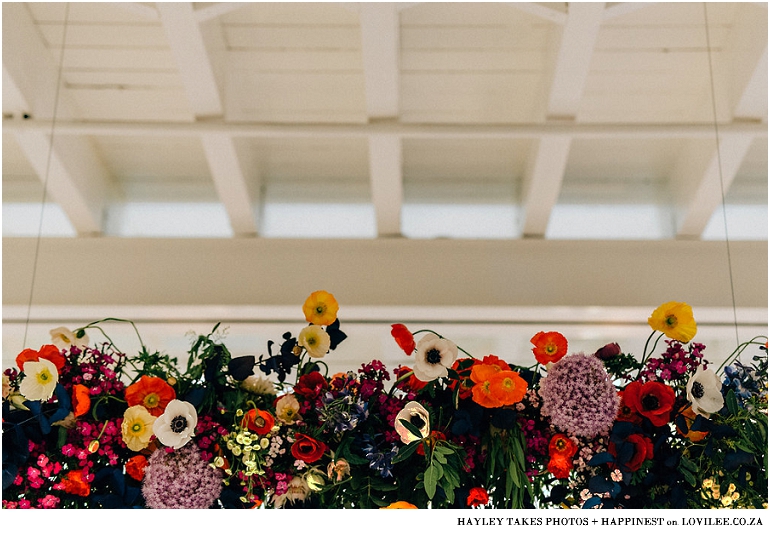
(549, 347)
(481, 376)
(75, 483)
(47, 352)
(399, 505)
(692, 435)
(507, 387)
(81, 400)
(135, 467)
(259, 421)
(151, 392)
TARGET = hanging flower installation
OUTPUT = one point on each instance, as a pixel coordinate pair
(90, 427)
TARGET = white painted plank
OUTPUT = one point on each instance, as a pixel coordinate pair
(230, 182)
(386, 177)
(380, 44)
(542, 182)
(193, 59)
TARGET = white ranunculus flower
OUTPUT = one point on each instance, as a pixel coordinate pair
(40, 379)
(64, 338)
(177, 424)
(704, 391)
(315, 340)
(418, 416)
(434, 356)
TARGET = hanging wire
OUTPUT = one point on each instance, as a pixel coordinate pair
(47, 172)
(719, 164)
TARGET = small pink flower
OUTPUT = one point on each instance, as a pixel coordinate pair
(616, 475)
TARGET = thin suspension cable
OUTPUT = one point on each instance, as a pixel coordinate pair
(47, 173)
(719, 164)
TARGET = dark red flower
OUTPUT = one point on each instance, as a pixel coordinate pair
(307, 449)
(477, 497)
(637, 448)
(608, 351)
(311, 385)
(652, 400)
(403, 337)
(560, 466)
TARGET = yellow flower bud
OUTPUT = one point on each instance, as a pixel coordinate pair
(93, 446)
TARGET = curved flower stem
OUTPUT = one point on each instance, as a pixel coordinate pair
(102, 399)
(645, 355)
(133, 325)
(739, 349)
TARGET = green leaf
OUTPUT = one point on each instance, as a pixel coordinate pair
(732, 402)
(443, 449)
(513, 473)
(688, 476)
(431, 479)
(439, 457)
(405, 452)
(687, 464)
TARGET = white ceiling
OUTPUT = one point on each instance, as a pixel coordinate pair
(499, 120)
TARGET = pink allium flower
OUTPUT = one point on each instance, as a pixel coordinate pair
(180, 479)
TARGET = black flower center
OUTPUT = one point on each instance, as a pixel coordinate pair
(178, 424)
(433, 356)
(417, 421)
(650, 402)
(697, 390)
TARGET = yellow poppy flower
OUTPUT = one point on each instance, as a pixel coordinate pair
(675, 320)
(137, 427)
(320, 308)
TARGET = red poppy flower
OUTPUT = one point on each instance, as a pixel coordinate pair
(642, 450)
(310, 385)
(74, 482)
(47, 352)
(307, 449)
(626, 413)
(549, 347)
(653, 400)
(463, 368)
(81, 400)
(151, 392)
(259, 421)
(561, 445)
(135, 467)
(477, 497)
(560, 466)
(403, 337)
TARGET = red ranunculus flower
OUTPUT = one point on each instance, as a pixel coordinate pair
(81, 400)
(561, 445)
(633, 452)
(75, 483)
(560, 466)
(478, 497)
(311, 385)
(403, 337)
(135, 467)
(653, 400)
(47, 352)
(259, 421)
(307, 449)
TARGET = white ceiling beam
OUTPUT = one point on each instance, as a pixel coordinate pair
(75, 178)
(189, 48)
(217, 9)
(539, 10)
(542, 183)
(231, 183)
(138, 8)
(573, 59)
(394, 127)
(380, 46)
(752, 103)
(703, 176)
(386, 176)
(624, 8)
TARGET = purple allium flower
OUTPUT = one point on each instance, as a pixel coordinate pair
(180, 479)
(578, 396)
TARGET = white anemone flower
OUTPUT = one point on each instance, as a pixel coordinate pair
(418, 417)
(434, 356)
(64, 339)
(315, 340)
(40, 379)
(177, 424)
(704, 391)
